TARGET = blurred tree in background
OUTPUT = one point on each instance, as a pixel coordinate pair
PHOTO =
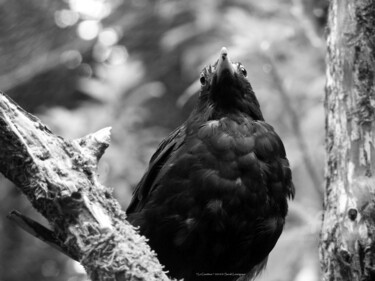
(81, 65)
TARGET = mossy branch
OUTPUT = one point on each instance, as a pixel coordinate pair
(59, 178)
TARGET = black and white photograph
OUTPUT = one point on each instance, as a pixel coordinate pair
(195, 140)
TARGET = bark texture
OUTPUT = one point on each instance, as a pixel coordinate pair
(347, 249)
(59, 178)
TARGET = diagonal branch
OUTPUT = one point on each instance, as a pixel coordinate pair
(59, 178)
(313, 173)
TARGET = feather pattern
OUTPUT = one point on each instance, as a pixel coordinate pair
(214, 198)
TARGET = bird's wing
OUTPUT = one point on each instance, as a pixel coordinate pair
(156, 169)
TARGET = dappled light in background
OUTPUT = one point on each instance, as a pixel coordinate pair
(65, 18)
(92, 9)
(88, 29)
(81, 65)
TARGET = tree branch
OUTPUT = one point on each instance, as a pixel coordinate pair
(59, 178)
(296, 126)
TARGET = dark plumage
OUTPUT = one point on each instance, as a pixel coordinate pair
(214, 198)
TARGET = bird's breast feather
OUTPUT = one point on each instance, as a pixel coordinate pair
(238, 151)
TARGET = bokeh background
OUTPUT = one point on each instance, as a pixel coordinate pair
(81, 65)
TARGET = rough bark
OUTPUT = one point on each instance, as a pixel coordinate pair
(347, 249)
(59, 178)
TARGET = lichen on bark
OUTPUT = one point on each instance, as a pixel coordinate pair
(59, 178)
(347, 247)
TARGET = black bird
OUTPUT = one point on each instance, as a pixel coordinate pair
(214, 198)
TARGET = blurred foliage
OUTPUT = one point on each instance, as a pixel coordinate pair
(82, 65)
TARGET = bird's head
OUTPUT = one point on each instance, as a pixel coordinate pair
(226, 89)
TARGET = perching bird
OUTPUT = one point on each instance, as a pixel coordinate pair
(214, 198)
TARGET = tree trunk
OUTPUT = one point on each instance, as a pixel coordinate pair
(59, 178)
(347, 249)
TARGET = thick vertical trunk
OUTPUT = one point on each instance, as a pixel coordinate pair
(347, 249)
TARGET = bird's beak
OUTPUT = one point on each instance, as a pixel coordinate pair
(224, 66)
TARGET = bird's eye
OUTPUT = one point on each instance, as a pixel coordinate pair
(202, 80)
(243, 70)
